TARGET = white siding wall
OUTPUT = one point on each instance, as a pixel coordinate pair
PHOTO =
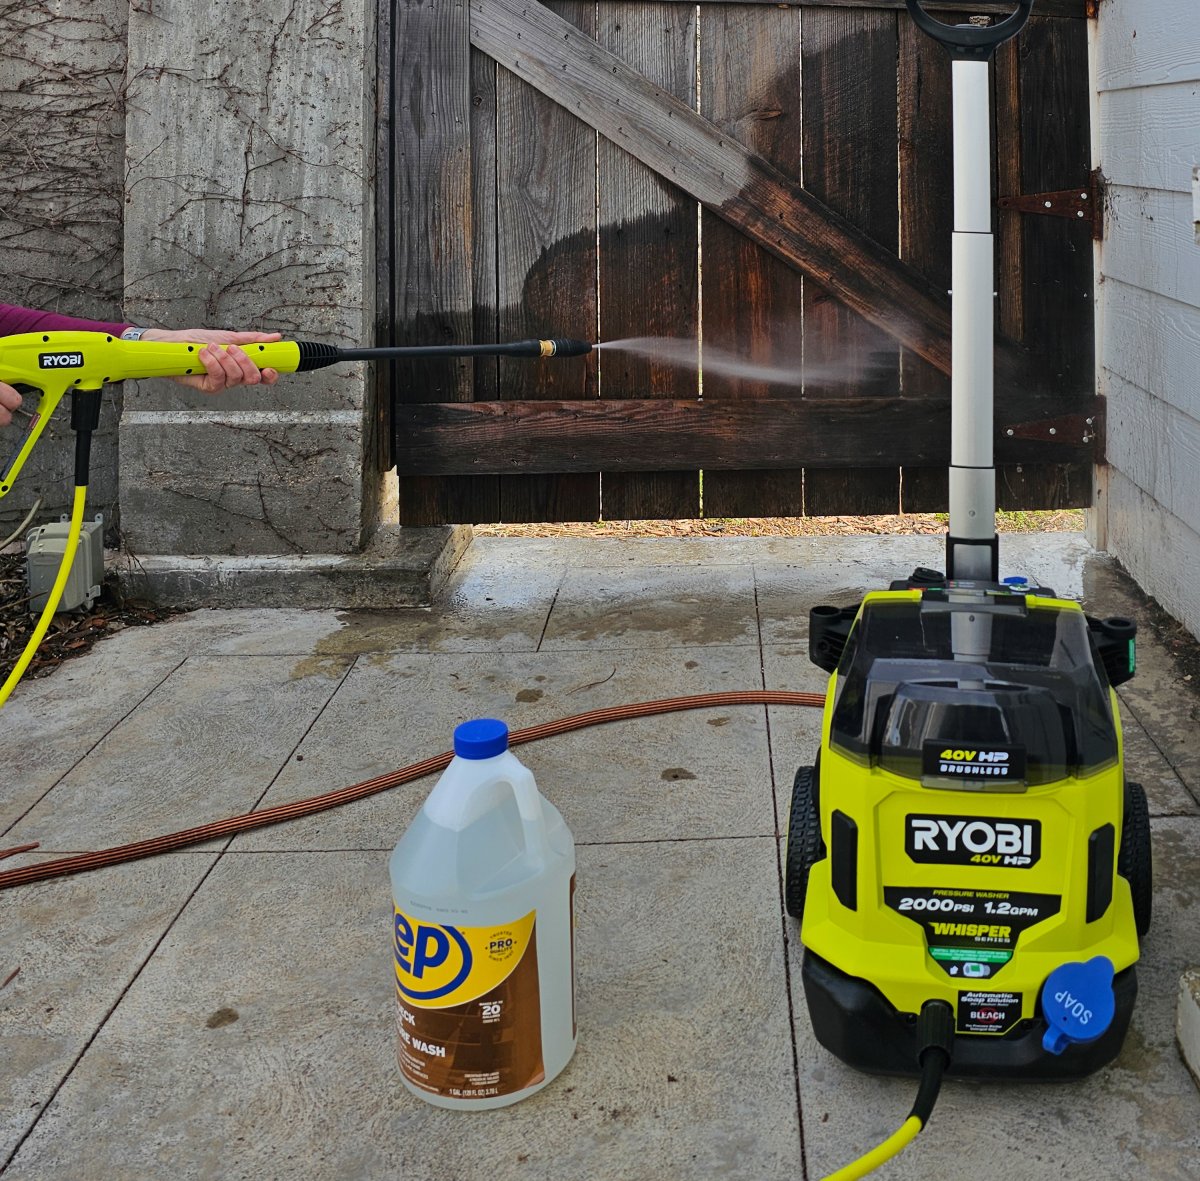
(1147, 65)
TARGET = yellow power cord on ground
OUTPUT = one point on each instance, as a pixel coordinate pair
(56, 593)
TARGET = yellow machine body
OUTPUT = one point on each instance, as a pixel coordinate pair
(947, 871)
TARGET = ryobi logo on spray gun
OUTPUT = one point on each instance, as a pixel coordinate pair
(60, 360)
(973, 840)
(440, 966)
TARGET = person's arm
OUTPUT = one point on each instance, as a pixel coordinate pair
(14, 319)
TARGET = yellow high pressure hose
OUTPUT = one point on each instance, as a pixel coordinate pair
(900, 1139)
(56, 593)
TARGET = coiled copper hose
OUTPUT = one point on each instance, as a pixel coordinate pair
(83, 862)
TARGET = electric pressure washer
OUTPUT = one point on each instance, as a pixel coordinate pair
(971, 865)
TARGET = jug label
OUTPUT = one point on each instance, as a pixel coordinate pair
(468, 1010)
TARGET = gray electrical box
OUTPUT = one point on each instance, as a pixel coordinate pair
(44, 549)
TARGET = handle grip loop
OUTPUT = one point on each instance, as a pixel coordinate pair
(971, 41)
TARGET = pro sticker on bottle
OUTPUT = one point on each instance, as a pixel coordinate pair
(468, 1009)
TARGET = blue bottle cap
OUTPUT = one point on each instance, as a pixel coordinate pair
(1015, 580)
(482, 738)
(1078, 1003)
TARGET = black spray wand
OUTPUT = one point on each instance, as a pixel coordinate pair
(317, 356)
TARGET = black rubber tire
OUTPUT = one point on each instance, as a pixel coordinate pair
(1135, 859)
(804, 844)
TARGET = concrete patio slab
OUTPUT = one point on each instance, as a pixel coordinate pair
(52, 723)
(205, 744)
(699, 773)
(258, 1041)
(227, 1012)
(76, 945)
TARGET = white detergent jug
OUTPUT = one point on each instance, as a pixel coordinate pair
(484, 883)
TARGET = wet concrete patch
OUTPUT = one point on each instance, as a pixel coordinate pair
(661, 606)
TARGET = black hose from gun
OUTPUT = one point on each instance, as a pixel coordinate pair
(317, 356)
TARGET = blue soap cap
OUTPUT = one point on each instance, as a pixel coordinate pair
(1015, 580)
(482, 738)
(1078, 1003)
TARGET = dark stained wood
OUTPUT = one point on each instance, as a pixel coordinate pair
(383, 376)
(686, 149)
(546, 256)
(1008, 155)
(649, 434)
(750, 66)
(926, 223)
(649, 272)
(1057, 274)
(1075, 9)
(431, 292)
(1037, 485)
(849, 77)
(528, 231)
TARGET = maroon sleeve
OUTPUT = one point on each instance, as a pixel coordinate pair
(15, 319)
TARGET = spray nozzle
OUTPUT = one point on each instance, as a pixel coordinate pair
(565, 347)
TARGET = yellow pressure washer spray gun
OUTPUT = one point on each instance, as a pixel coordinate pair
(82, 363)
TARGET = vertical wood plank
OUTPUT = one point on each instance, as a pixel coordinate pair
(926, 221)
(546, 254)
(849, 75)
(430, 180)
(648, 256)
(750, 86)
(1010, 238)
(385, 246)
(1057, 282)
(1056, 155)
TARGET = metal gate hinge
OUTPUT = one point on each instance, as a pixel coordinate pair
(1069, 428)
(1082, 204)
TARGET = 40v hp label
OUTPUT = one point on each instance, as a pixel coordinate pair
(973, 840)
(973, 762)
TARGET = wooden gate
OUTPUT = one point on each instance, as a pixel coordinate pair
(763, 181)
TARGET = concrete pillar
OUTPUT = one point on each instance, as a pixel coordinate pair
(250, 144)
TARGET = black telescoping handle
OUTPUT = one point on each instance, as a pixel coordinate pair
(971, 41)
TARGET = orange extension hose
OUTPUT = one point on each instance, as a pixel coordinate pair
(83, 862)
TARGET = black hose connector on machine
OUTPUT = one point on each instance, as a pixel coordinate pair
(935, 1035)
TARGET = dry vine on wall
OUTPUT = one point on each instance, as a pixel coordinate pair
(62, 94)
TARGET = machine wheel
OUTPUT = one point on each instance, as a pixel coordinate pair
(804, 844)
(1134, 861)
